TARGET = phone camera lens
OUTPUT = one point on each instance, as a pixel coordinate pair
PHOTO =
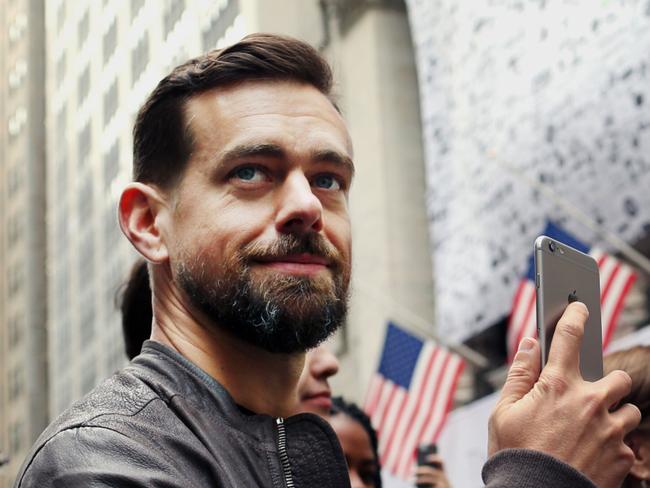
(551, 246)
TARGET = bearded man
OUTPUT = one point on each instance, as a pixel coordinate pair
(242, 167)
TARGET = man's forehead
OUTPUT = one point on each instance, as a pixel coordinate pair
(220, 108)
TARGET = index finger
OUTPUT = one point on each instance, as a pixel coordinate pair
(565, 346)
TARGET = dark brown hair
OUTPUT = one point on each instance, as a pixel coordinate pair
(134, 300)
(162, 142)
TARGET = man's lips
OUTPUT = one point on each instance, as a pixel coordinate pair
(322, 401)
(305, 263)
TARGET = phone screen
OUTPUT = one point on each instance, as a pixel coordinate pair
(565, 275)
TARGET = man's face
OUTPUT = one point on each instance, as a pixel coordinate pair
(260, 232)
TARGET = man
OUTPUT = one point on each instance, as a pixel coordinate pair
(242, 166)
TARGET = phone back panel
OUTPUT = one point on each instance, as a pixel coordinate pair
(564, 275)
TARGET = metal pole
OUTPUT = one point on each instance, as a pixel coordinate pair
(423, 327)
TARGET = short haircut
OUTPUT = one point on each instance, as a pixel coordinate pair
(134, 300)
(162, 140)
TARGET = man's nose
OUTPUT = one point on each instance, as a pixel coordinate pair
(324, 363)
(300, 210)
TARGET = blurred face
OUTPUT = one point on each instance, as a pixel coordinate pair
(260, 232)
(357, 448)
(314, 393)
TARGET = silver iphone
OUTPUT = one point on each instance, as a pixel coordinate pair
(564, 275)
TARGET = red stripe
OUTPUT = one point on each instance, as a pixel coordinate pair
(612, 275)
(380, 422)
(617, 310)
(428, 419)
(450, 400)
(419, 402)
(391, 434)
(512, 327)
(520, 332)
(375, 390)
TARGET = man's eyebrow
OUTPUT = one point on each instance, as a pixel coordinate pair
(330, 156)
(251, 150)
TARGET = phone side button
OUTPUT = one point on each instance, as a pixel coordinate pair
(537, 280)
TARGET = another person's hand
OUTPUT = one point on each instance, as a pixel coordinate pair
(558, 413)
(432, 476)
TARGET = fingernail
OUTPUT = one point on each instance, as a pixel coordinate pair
(526, 344)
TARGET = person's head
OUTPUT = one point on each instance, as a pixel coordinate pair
(635, 362)
(359, 443)
(242, 166)
(314, 393)
(134, 301)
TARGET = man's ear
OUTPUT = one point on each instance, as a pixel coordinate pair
(142, 209)
(641, 448)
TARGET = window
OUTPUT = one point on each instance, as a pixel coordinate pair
(110, 102)
(60, 69)
(85, 203)
(16, 386)
(83, 86)
(15, 437)
(84, 145)
(13, 179)
(173, 15)
(111, 165)
(110, 41)
(86, 264)
(84, 27)
(140, 58)
(15, 280)
(17, 74)
(14, 229)
(15, 329)
(112, 232)
(88, 376)
(61, 122)
(17, 121)
(219, 24)
(136, 5)
(60, 15)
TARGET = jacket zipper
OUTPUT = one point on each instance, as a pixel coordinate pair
(282, 449)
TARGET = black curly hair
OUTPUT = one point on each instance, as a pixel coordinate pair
(340, 406)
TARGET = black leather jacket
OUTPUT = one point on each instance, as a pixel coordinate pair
(163, 422)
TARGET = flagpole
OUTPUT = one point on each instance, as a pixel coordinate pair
(422, 326)
(628, 251)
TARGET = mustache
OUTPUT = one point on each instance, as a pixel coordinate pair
(288, 244)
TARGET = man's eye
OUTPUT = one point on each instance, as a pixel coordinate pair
(327, 182)
(248, 173)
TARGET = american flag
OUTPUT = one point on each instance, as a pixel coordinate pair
(616, 279)
(410, 396)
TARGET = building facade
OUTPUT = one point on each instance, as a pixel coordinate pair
(23, 382)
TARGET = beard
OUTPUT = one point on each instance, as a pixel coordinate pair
(277, 312)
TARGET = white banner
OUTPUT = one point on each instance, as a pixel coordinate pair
(557, 90)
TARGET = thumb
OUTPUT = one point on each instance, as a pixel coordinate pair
(524, 371)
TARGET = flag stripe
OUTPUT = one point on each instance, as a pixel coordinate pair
(611, 308)
(435, 371)
(403, 411)
(416, 398)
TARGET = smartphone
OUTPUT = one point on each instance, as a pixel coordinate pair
(564, 275)
(424, 451)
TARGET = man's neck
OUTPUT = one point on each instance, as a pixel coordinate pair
(258, 380)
